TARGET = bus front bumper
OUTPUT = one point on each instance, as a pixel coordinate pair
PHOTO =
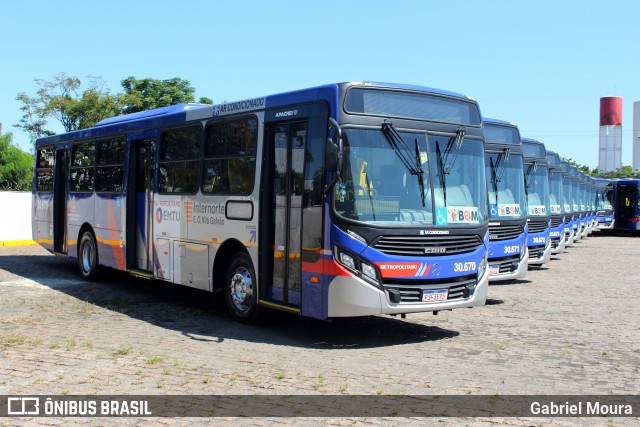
(351, 297)
(518, 274)
(560, 248)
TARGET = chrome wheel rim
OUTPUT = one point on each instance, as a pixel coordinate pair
(87, 258)
(241, 289)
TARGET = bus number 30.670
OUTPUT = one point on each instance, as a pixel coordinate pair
(464, 266)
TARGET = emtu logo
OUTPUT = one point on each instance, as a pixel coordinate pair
(159, 215)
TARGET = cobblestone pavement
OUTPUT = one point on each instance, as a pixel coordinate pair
(569, 328)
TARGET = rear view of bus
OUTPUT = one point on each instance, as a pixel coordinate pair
(604, 204)
(536, 180)
(508, 254)
(556, 202)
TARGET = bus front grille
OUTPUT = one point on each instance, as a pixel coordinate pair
(427, 245)
(536, 252)
(537, 226)
(504, 232)
(556, 221)
(410, 291)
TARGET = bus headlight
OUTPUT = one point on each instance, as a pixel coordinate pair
(369, 271)
(523, 249)
(347, 260)
(360, 268)
(482, 267)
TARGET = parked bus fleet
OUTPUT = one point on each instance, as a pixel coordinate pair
(342, 200)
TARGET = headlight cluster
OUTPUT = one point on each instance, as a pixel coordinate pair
(523, 249)
(357, 266)
(482, 267)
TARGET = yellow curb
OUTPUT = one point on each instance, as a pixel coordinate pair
(18, 243)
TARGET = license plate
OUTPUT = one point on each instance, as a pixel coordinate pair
(435, 295)
(494, 269)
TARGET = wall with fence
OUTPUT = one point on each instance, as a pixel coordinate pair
(15, 217)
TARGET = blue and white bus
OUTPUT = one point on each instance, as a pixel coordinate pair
(556, 204)
(605, 203)
(508, 253)
(342, 200)
(585, 184)
(576, 193)
(627, 204)
(536, 179)
(570, 214)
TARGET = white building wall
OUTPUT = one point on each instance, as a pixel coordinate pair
(610, 154)
(15, 216)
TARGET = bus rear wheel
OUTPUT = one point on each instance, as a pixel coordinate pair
(88, 256)
(241, 289)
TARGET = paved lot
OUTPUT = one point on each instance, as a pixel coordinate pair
(570, 328)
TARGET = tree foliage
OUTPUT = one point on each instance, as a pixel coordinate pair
(147, 94)
(16, 166)
(64, 100)
(623, 171)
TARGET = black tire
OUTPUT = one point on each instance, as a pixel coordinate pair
(88, 257)
(241, 289)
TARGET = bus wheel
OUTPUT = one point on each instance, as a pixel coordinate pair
(88, 256)
(241, 289)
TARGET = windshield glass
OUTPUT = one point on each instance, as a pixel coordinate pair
(555, 193)
(583, 197)
(604, 199)
(537, 186)
(505, 176)
(575, 195)
(376, 186)
(566, 194)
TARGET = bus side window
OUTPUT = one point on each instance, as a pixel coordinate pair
(230, 157)
(179, 164)
(83, 167)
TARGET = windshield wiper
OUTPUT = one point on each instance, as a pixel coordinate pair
(368, 190)
(532, 167)
(504, 155)
(400, 148)
(441, 172)
(420, 173)
(494, 179)
(453, 150)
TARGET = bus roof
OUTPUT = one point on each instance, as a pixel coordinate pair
(532, 148)
(180, 113)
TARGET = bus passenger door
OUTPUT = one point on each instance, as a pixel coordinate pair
(140, 204)
(61, 173)
(282, 239)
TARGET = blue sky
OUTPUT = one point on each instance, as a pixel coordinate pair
(540, 64)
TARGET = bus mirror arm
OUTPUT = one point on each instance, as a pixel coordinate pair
(334, 154)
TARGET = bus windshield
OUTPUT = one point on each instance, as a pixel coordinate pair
(537, 186)
(566, 194)
(604, 199)
(555, 193)
(406, 184)
(506, 185)
(575, 195)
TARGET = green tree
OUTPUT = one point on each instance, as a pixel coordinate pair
(148, 93)
(65, 101)
(16, 166)
(623, 171)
